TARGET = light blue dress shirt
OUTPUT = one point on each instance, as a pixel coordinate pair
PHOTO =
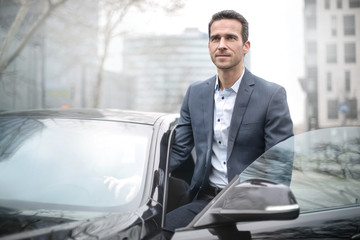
(223, 109)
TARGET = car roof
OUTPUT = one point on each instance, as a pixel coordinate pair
(94, 114)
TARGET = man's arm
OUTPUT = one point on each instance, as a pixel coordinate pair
(277, 164)
(184, 140)
(278, 126)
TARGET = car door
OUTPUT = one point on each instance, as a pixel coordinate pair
(325, 180)
(326, 183)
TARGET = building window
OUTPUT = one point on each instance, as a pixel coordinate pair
(311, 22)
(349, 25)
(350, 53)
(332, 107)
(312, 72)
(311, 79)
(347, 81)
(327, 4)
(352, 114)
(331, 56)
(339, 4)
(354, 3)
(333, 25)
(311, 48)
(310, 2)
(329, 82)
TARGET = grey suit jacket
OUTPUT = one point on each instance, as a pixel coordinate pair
(260, 120)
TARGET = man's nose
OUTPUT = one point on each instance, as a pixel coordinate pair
(222, 43)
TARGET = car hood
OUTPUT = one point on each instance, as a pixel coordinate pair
(43, 223)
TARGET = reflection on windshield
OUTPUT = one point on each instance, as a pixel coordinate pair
(114, 184)
(327, 168)
(274, 165)
(13, 132)
(75, 162)
(325, 171)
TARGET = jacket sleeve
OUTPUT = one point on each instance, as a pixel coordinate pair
(275, 165)
(278, 125)
(184, 141)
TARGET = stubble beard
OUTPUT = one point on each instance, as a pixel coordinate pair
(226, 65)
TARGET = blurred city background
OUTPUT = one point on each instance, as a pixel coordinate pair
(143, 54)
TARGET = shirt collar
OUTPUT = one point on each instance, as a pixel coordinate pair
(234, 87)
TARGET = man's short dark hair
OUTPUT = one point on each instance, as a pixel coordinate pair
(231, 14)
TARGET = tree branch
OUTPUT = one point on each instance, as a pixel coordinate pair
(14, 28)
(48, 9)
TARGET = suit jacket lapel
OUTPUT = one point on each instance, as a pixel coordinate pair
(207, 97)
(241, 103)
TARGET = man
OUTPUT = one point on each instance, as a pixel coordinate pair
(231, 118)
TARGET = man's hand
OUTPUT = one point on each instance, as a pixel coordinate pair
(133, 183)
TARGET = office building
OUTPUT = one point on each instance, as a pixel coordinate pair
(332, 62)
(162, 67)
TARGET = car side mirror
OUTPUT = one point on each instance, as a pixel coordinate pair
(251, 200)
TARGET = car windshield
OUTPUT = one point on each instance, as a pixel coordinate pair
(72, 162)
(322, 167)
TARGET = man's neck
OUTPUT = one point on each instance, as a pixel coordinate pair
(229, 77)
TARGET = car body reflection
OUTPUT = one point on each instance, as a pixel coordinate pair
(86, 174)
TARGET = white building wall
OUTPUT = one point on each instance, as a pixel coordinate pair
(162, 68)
(330, 30)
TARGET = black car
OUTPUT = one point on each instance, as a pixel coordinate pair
(102, 174)
(325, 180)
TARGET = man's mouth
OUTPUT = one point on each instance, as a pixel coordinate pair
(222, 55)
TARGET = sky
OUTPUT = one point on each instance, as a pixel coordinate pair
(275, 34)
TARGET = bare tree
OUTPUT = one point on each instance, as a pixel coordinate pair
(114, 12)
(7, 57)
(26, 23)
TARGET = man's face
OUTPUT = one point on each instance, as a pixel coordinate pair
(226, 47)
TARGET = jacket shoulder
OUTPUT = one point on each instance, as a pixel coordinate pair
(202, 83)
(261, 82)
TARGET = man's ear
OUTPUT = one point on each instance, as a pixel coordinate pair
(246, 47)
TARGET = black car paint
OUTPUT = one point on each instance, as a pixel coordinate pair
(146, 221)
